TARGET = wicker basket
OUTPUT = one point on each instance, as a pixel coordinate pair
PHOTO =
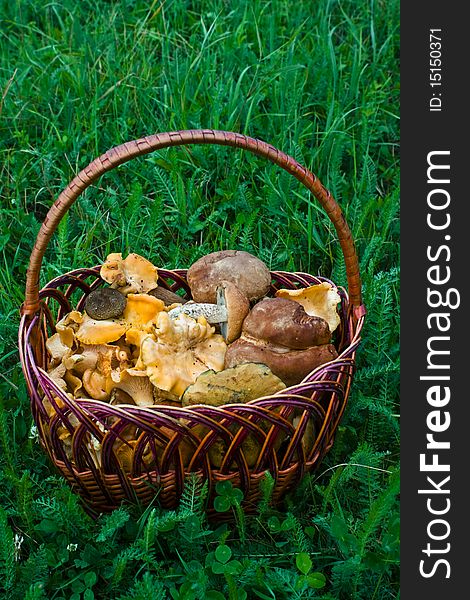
(292, 429)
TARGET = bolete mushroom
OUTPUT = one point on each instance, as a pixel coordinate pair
(231, 308)
(248, 273)
(285, 322)
(278, 333)
(241, 383)
(318, 300)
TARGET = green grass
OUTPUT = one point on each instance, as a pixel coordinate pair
(319, 80)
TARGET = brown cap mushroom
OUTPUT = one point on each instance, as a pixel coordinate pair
(229, 312)
(279, 334)
(248, 273)
(291, 366)
(285, 322)
(167, 296)
(318, 300)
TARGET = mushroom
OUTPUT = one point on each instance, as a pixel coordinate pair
(230, 310)
(167, 296)
(285, 322)
(318, 300)
(57, 349)
(105, 303)
(181, 349)
(137, 385)
(57, 374)
(93, 332)
(279, 334)
(125, 453)
(248, 273)
(86, 357)
(97, 384)
(119, 396)
(241, 383)
(309, 435)
(74, 384)
(134, 274)
(142, 311)
(100, 378)
(68, 325)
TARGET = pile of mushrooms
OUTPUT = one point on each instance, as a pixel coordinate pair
(138, 343)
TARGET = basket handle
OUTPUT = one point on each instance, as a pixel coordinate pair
(124, 152)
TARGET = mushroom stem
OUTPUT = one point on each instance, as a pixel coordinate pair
(231, 308)
(212, 312)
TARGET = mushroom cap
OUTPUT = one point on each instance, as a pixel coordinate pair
(318, 300)
(290, 366)
(241, 383)
(169, 298)
(285, 323)
(57, 349)
(67, 327)
(111, 270)
(105, 303)
(86, 357)
(180, 350)
(237, 306)
(133, 274)
(142, 310)
(248, 273)
(97, 385)
(91, 331)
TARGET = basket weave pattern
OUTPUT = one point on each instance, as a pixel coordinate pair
(291, 430)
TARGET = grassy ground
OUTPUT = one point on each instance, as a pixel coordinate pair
(319, 80)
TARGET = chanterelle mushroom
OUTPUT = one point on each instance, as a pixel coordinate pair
(91, 331)
(137, 385)
(248, 273)
(231, 308)
(183, 348)
(133, 274)
(142, 311)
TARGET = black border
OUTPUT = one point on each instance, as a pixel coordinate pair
(423, 131)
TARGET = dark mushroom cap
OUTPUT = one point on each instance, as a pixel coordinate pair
(284, 322)
(248, 273)
(167, 296)
(290, 366)
(105, 303)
